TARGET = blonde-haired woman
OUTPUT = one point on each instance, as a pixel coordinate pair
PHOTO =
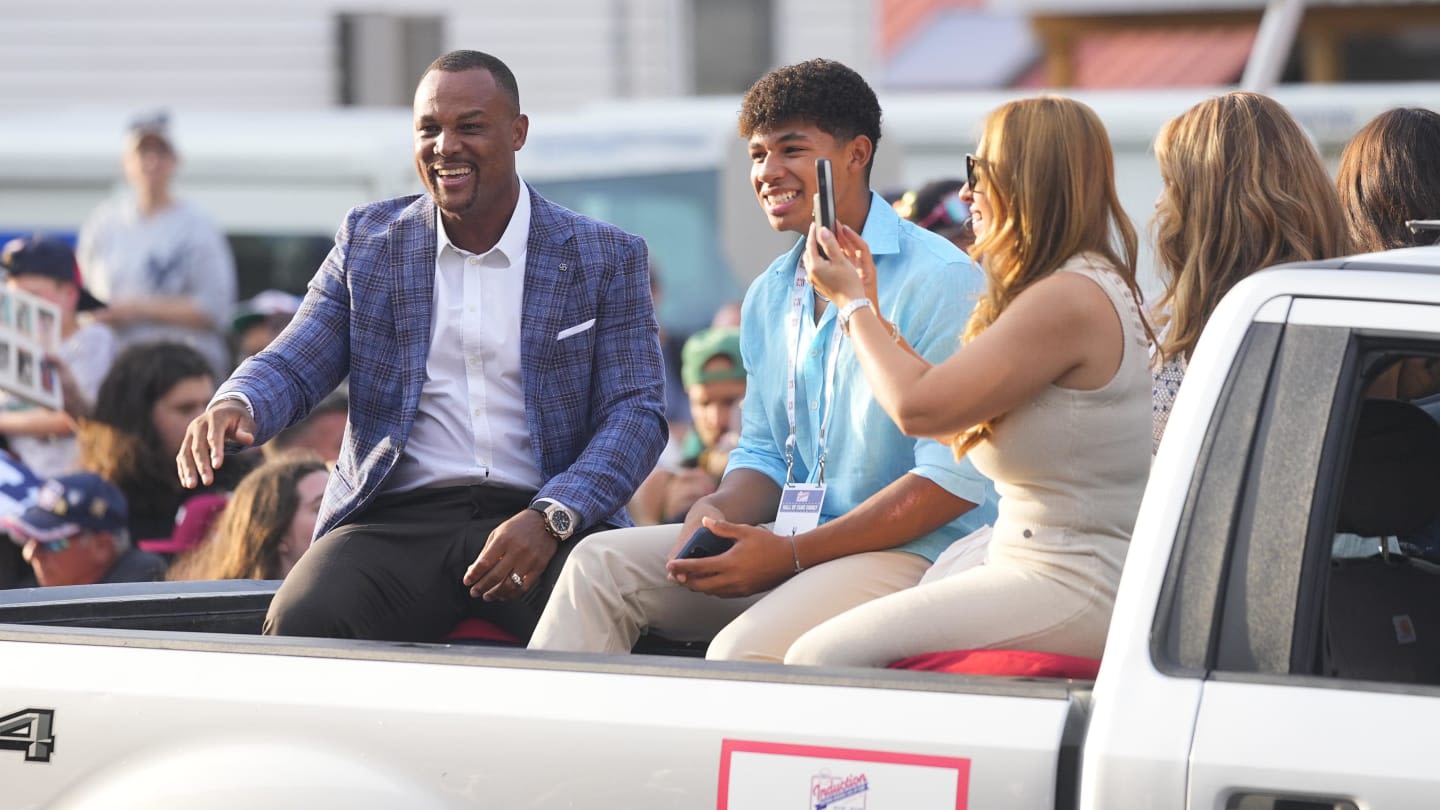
(1048, 396)
(1244, 189)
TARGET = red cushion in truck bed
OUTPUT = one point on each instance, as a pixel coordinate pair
(1021, 663)
(480, 630)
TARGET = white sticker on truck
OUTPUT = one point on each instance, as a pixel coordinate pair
(812, 777)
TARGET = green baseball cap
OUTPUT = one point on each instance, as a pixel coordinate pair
(706, 345)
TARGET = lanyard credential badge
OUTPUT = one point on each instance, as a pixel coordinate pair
(800, 502)
(799, 508)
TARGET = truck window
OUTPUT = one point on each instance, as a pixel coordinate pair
(1320, 555)
(1381, 608)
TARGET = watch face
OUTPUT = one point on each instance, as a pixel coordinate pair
(559, 520)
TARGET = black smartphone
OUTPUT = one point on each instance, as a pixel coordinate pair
(825, 197)
(704, 543)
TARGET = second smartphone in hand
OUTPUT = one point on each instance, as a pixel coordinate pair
(704, 543)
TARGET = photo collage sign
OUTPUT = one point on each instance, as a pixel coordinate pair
(29, 327)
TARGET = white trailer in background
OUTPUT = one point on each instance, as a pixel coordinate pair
(673, 171)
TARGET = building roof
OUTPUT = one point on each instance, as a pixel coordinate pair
(899, 19)
(1156, 57)
(960, 49)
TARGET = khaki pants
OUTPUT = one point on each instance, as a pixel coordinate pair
(613, 588)
(1047, 594)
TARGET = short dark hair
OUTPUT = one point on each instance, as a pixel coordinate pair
(1389, 173)
(462, 60)
(821, 92)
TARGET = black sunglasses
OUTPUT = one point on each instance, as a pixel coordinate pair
(970, 161)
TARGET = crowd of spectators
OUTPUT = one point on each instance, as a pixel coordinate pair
(147, 325)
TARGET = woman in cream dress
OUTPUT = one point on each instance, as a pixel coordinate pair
(1049, 396)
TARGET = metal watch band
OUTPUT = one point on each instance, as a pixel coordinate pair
(849, 310)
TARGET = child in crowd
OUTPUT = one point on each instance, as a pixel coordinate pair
(146, 402)
(44, 438)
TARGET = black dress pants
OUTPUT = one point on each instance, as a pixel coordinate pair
(395, 572)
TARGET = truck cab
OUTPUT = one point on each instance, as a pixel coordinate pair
(1254, 664)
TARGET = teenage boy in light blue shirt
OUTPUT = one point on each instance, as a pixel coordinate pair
(889, 504)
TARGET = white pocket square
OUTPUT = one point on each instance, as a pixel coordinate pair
(575, 330)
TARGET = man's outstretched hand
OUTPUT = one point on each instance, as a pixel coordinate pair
(203, 449)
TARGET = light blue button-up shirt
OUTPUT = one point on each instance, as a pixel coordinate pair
(927, 288)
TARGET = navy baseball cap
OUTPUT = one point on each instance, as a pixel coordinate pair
(68, 505)
(42, 256)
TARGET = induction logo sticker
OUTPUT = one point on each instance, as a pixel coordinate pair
(829, 792)
(763, 773)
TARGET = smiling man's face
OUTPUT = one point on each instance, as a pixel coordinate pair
(467, 131)
(782, 172)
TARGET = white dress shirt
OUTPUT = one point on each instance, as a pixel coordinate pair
(471, 427)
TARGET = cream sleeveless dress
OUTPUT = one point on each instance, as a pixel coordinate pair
(1070, 467)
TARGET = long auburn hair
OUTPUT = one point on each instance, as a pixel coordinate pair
(1244, 189)
(248, 533)
(1390, 173)
(1048, 169)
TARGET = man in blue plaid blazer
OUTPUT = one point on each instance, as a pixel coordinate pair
(506, 386)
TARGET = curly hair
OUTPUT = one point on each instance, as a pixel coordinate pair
(1244, 189)
(120, 442)
(1390, 173)
(1048, 169)
(250, 531)
(822, 92)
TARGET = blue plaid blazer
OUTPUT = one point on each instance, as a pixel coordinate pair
(595, 401)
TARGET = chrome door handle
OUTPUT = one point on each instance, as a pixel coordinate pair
(1276, 801)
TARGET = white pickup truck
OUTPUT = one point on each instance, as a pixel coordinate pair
(1249, 666)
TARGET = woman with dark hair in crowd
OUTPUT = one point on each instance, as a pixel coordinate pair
(1244, 189)
(1048, 396)
(265, 527)
(1389, 174)
(146, 402)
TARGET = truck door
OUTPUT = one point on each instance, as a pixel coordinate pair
(1323, 689)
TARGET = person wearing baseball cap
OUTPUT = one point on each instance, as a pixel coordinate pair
(44, 438)
(43, 257)
(163, 267)
(75, 534)
(260, 319)
(714, 377)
